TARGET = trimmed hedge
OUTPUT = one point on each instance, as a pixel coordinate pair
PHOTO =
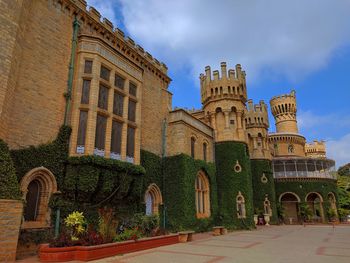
(9, 188)
(180, 173)
(231, 182)
(261, 189)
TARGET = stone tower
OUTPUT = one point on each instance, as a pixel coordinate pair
(286, 141)
(256, 123)
(284, 110)
(223, 98)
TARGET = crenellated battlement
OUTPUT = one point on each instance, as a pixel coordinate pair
(225, 84)
(92, 23)
(256, 115)
(315, 149)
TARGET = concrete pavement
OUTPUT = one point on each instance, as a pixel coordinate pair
(274, 244)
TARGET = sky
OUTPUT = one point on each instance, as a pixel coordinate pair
(282, 45)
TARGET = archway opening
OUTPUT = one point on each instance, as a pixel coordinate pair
(31, 209)
(290, 206)
(315, 203)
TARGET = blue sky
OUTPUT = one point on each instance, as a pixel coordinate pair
(282, 45)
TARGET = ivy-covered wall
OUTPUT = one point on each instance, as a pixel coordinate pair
(180, 172)
(303, 187)
(52, 156)
(231, 182)
(264, 185)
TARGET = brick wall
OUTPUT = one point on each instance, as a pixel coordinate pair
(10, 220)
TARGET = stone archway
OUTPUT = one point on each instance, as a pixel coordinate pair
(37, 186)
(153, 198)
(290, 204)
(315, 202)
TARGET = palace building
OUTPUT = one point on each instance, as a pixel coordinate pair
(87, 114)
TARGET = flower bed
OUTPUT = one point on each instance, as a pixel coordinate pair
(86, 253)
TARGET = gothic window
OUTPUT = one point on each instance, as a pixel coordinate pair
(85, 92)
(193, 143)
(132, 89)
(116, 140)
(32, 201)
(119, 82)
(240, 202)
(153, 198)
(103, 97)
(202, 196)
(130, 147)
(132, 110)
(290, 148)
(88, 67)
(118, 104)
(37, 186)
(100, 136)
(104, 73)
(205, 146)
(82, 131)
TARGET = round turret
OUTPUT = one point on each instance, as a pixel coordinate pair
(223, 98)
(284, 109)
(257, 124)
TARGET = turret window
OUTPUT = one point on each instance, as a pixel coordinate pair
(290, 148)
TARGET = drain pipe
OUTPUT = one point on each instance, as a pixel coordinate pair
(68, 94)
(164, 131)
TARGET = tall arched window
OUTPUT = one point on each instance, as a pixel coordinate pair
(240, 202)
(202, 196)
(153, 198)
(193, 143)
(31, 210)
(205, 146)
(37, 186)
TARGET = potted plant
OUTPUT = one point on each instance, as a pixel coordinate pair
(267, 219)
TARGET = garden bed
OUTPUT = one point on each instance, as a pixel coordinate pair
(86, 253)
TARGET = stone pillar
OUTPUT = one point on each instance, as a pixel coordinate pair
(213, 120)
(10, 222)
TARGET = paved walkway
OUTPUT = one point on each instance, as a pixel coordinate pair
(274, 244)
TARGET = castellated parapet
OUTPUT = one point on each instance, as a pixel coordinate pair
(257, 123)
(223, 98)
(315, 149)
(284, 109)
(229, 84)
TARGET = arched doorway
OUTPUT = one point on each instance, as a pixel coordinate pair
(153, 198)
(315, 202)
(289, 202)
(37, 186)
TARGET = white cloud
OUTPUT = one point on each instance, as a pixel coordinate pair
(308, 120)
(289, 38)
(339, 150)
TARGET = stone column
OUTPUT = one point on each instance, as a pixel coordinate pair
(227, 121)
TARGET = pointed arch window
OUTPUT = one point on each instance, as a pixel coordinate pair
(202, 195)
(240, 202)
(153, 198)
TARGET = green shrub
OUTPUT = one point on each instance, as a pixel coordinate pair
(147, 224)
(9, 188)
(128, 234)
(107, 224)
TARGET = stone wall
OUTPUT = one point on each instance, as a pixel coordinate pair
(10, 220)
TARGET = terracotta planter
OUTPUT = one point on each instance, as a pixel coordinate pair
(86, 253)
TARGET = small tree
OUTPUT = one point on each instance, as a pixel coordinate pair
(305, 212)
(9, 188)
